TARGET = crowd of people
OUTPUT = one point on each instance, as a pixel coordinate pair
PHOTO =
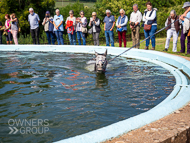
(78, 26)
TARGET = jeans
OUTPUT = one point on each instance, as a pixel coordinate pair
(50, 37)
(148, 33)
(109, 38)
(35, 35)
(122, 35)
(183, 37)
(59, 35)
(79, 36)
(1, 42)
(72, 38)
(9, 36)
(14, 33)
(171, 33)
(96, 38)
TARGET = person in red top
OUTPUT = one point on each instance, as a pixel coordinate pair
(8, 29)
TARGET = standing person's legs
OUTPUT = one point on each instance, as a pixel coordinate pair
(120, 38)
(124, 38)
(74, 38)
(152, 31)
(7, 39)
(79, 37)
(52, 38)
(133, 37)
(37, 32)
(58, 38)
(175, 38)
(14, 33)
(169, 35)
(10, 37)
(111, 34)
(83, 38)
(70, 38)
(137, 37)
(188, 44)
(94, 38)
(146, 34)
(1, 42)
(61, 37)
(48, 37)
(107, 38)
(32, 31)
(97, 38)
(182, 40)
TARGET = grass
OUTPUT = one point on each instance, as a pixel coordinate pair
(59, 4)
(160, 46)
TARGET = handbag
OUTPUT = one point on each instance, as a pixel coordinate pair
(84, 30)
(120, 29)
(147, 27)
(90, 31)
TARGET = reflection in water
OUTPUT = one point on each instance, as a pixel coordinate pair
(101, 80)
(59, 87)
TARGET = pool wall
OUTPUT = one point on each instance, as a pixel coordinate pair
(178, 98)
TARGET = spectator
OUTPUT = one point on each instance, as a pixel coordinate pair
(109, 22)
(122, 27)
(186, 6)
(135, 20)
(70, 26)
(172, 30)
(81, 25)
(95, 24)
(34, 20)
(1, 32)
(48, 28)
(150, 21)
(58, 27)
(8, 29)
(14, 28)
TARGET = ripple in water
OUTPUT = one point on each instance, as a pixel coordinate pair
(57, 87)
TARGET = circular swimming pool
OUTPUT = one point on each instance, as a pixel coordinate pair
(59, 88)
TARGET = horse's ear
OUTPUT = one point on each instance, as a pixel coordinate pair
(105, 54)
(96, 53)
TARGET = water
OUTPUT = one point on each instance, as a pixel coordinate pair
(56, 87)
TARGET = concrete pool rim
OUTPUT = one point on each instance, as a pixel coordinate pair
(178, 98)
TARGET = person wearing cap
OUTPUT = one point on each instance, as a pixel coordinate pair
(48, 28)
(58, 27)
(172, 30)
(135, 20)
(109, 23)
(121, 25)
(186, 6)
(34, 21)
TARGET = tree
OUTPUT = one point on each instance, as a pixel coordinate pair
(21, 7)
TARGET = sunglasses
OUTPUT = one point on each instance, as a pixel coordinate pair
(70, 13)
(93, 15)
(121, 13)
(81, 14)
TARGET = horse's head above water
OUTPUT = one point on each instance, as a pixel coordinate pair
(101, 62)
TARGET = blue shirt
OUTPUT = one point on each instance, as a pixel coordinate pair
(109, 22)
(33, 19)
(188, 16)
(57, 20)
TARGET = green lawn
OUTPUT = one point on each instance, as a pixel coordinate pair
(160, 46)
(60, 4)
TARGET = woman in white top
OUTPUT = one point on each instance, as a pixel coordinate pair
(71, 27)
(121, 25)
(81, 23)
(150, 18)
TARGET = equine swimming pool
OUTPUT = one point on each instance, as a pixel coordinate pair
(57, 86)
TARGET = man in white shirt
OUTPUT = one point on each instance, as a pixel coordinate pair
(135, 20)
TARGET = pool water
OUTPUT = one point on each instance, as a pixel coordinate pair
(57, 87)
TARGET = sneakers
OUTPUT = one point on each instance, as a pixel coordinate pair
(165, 50)
(153, 48)
(146, 48)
